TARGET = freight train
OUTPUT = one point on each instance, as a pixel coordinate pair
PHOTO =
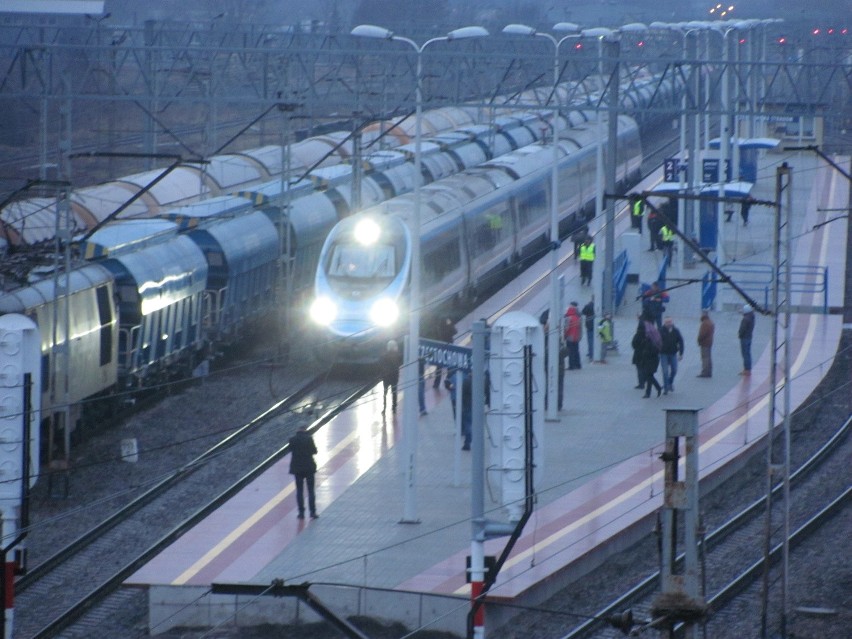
(156, 296)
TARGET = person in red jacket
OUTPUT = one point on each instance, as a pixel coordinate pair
(573, 331)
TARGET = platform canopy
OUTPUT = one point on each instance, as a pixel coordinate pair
(732, 189)
(750, 143)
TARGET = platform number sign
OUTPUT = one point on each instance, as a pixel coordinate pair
(671, 169)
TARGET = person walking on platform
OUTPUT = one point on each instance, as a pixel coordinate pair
(654, 224)
(445, 332)
(745, 207)
(646, 345)
(573, 332)
(588, 314)
(605, 334)
(671, 352)
(706, 329)
(637, 210)
(587, 261)
(745, 333)
(303, 468)
(667, 241)
(389, 364)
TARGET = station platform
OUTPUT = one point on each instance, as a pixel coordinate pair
(602, 479)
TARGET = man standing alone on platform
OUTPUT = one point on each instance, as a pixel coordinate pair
(745, 333)
(303, 468)
(587, 261)
(705, 343)
(670, 352)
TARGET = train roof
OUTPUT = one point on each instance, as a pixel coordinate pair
(126, 235)
(163, 273)
(41, 292)
(248, 242)
(190, 215)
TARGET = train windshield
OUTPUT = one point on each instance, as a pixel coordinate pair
(358, 262)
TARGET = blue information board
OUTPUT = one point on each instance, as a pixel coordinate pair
(444, 354)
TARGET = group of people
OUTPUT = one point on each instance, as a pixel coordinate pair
(654, 345)
(660, 230)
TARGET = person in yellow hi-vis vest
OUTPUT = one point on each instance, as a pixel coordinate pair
(667, 238)
(587, 261)
(637, 210)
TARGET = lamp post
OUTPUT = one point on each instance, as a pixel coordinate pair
(411, 368)
(555, 311)
(724, 132)
(611, 37)
(686, 208)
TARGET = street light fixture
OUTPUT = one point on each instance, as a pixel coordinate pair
(555, 311)
(411, 368)
(612, 37)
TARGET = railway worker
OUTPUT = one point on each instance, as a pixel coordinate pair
(706, 329)
(303, 468)
(389, 364)
(637, 211)
(573, 332)
(588, 314)
(745, 333)
(587, 260)
(578, 237)
(444, 332)
(671, 352)
(667, 239)
(605, 334)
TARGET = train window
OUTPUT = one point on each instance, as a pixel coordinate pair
(490, 227)
(358, 262)
(105, 319)
(532, 207)
(443, 258)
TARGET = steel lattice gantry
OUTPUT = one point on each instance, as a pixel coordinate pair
(199, 91)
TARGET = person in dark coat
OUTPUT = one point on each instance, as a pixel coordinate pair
(670, 353)
(646, 344)
(745, 208)
(303, 468)
(389, 364)
(588, 314)
(745, 334)
(706, 330)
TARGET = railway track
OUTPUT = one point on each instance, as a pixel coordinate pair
(89, 571)
(732, 555)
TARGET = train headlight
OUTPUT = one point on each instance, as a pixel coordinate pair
(384, 313)
(367, 231)
(323, 311)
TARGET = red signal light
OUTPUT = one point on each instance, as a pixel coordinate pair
(578, 46)
(782, 40)
(815, 32)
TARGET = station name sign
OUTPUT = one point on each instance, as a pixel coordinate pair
(444, 354)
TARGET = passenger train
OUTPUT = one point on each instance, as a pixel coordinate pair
(155, 296)
(475, 228)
